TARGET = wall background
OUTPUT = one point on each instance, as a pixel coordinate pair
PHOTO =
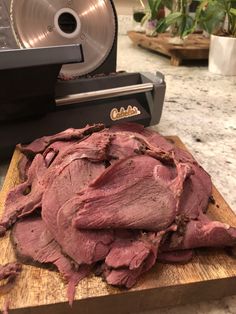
(125, 7)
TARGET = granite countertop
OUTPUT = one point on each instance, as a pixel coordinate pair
(201, 109)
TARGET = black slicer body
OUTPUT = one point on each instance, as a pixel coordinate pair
(34, 102)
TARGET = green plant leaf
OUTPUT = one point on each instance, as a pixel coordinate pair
(188, 27)
(168, 4)
(157, 5)
(145, 18)
(154, 6)
(173, 18)
(151, 3)
(233, 11)
(161, 26)
(210, 15)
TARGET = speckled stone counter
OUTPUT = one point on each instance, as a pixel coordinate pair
(201, 109)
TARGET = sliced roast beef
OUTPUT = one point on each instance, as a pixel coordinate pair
(203, 233)
(23, 167)
(129, 129)
(124, 146)
(130, 195)
(53, 150)
(181, 257)
(153, 139)
(195, 195)
(82, 246)
(9, 273)
(34, 243)
(10, 270)
(123, 197)
(39, 145)
(94, 148)
(129, 258)
(127, 253)
(26, 197)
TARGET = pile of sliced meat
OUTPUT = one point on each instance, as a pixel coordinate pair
(110, 201)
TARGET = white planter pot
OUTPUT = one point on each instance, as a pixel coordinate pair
(222, 56)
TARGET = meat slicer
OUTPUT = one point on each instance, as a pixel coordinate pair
(58, 70)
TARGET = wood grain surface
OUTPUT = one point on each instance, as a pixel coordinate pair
(195, 47)
(210, 275)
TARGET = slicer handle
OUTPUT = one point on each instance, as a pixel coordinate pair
(104, 94)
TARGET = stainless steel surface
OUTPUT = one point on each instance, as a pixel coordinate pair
(104, 94)
(20, 58)
(42, 23)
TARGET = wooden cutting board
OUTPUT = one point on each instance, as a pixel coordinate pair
(211, 274)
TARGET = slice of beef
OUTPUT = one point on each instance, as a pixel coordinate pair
(127, 253)
(131, 257)
(152, 139)
(181, 257)
(10, 270)
(39, 145)
(58, 151)
(195, 195)
(82, 246)
(177, 184)
(53, 150)
(34, 243)
(158, 147)
(129, 129)
(130, 195)
(23, 167)
(198, 186)
(203, 233)
(124, 145)
(9, 273)
(94, 147)
(150, 149)
(26, 197)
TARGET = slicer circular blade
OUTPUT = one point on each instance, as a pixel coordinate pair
(43, 23)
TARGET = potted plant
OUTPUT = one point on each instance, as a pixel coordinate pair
(218, 18)
(154, 12)
(179, 21)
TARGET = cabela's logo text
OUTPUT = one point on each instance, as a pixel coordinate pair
(122, 113)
